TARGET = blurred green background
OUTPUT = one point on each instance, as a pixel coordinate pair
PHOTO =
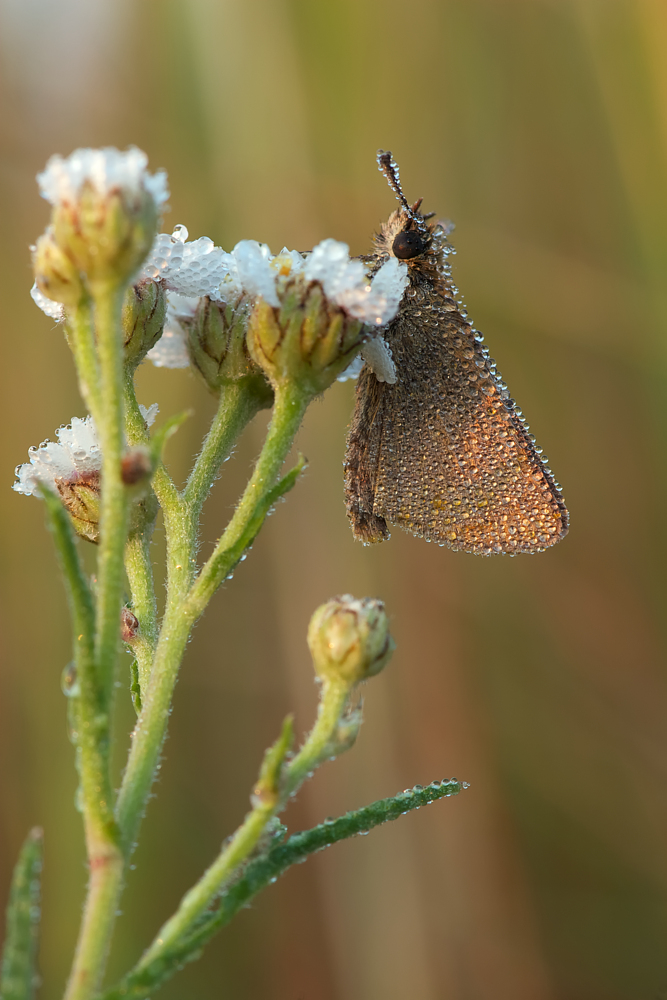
(540, 128)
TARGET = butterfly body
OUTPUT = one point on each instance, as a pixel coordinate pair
(443, 452)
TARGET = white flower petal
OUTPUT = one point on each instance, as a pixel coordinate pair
(330, 264)
(55, 310)
(346, 283)
(149, 413)
(106, 169)
(254, 270)
(353, 370)
(377, 355)
(76, 451)
(194, 268)
(387, 290)
(165, 256)
(171, 350)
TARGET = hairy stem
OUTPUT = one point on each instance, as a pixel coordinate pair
(139, 571)
(289, 408)
(187, 600)
(105, 859)
(319, 743)
(81, 338)
(113, 505)
(265, 801)
(238, 405)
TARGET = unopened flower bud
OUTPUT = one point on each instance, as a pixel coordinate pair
(218, 350)
(349, 639)
(307, 339)
(144, 312)
(55, 275)
(106, 208)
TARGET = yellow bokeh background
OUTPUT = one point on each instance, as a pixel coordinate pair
(540, 128)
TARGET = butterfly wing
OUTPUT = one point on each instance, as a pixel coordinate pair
(443, 453)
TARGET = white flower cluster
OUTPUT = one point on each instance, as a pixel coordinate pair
(346, 283)
(190, 270)
(194, 268)
(75, 453)
(107, 170)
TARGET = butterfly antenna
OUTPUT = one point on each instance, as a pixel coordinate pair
(389, 167)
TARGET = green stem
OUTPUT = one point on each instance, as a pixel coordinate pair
(105, 859)
(137, 433)
(271, 794)
(320, 742)
(105, 883)
(139, 571)
(91, 721)
(113, 505)
(186, 601)
(149, 974)
(81, 338)
(238, 405)
(265, 802)
(289, 408)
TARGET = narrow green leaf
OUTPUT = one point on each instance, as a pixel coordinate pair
(141, 983)
(18, 977)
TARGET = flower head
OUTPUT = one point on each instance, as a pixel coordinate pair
(71, 466)
(374, 301)
(105, 211)
(76, 452)
(308, 323)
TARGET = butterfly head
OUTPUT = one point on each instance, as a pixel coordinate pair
(407, 234)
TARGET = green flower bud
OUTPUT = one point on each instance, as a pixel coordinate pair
(55, 274)
(217, 347)
(106, 236)
(144, 312)
(349, 639)
(307, 339)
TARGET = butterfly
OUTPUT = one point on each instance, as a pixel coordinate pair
(443, 452)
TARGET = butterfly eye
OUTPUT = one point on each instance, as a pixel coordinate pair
(407, 245)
